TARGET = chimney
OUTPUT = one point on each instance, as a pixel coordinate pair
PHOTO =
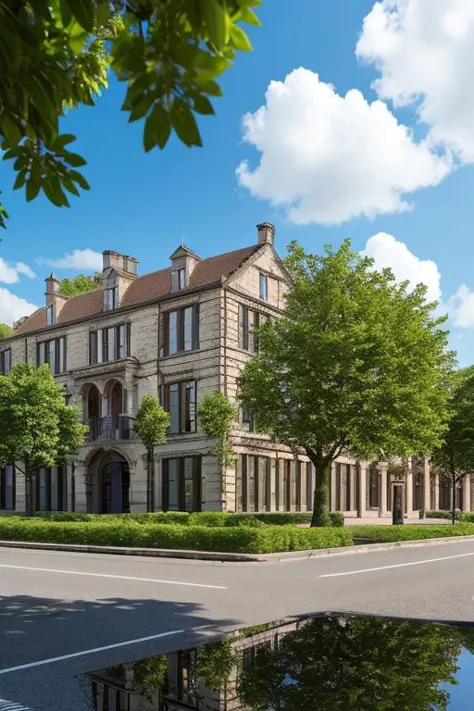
(119, 270)
(119, 262)
(183, 261)
(54, 300)
(266, 233)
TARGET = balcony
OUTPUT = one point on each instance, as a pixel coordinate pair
(110, 428)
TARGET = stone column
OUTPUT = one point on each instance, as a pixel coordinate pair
(436, 493)
(80, 482)
(19, 492)
(361, 504)
(409, 487)
(426, 484)
(382, 468)
(333, 489)
(466, 493)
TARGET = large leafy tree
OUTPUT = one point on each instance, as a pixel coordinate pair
(338, 664)
(217, 415)
(79, 284)
(37, 427)
(453, 460)
(357, 365)
(151, 425)
(5, 330)
(55, 56)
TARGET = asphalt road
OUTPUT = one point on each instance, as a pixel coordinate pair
(63, 614)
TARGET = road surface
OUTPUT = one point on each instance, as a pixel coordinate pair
(63, 614)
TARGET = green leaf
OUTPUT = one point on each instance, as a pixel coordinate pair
(74, 159)
(240, 39)
(64, 140)
(184, 123)
(157, 128)
(209, 87)
(83, 11)
(69, 185)
(41, 100)
(202, 105)
(79, 179)
(65, 11)
(12, 153)
(20, 180)
(141, 107)
(33, 186)
(215, 19)
(53, 191)
(10, 130)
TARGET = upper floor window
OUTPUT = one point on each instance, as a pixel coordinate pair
(181, 278)
(181, 329)
(249, 321)
(7, 489)
(5, 361)
(108, 344)
(52, 352)
(263, 286)
(247, 418)
(179, 399)
(51, 315)
(111, 295)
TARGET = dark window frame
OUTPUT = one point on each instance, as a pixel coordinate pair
(263, 286)
(180, 330)
(61, 475)
(187, 419)
(3, 490)
(3, 368)
(196, 482)
(59, 367)
(104, 337)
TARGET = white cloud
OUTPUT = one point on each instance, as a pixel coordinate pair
(386, 251)
(13, 307)
(329, 158)
(424, 52)
(9, 273)
(461, 307)
(85, 259)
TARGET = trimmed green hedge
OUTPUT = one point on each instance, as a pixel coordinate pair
(468, 517)
(130, 533)
(410, 532)
(438, 514)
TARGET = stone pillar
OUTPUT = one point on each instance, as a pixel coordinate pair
(333, 489)
(19, 492)
(426, 484)
(273, 485)
(361, 504)
(409, 487)
(353, 484)
(466, 493)
(436, 493)
(382, 468)
(80, 483)
(303, 482)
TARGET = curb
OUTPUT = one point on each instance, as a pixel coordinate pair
(234, 557)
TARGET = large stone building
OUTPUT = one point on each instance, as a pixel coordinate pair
(179, 333)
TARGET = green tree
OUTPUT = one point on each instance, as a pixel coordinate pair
(453, 460)
(151, 425)
(79, 284)
(5, 330)
(217, 415)
(339, 664)
(357, 365)
(55, 56)
(214, 664)
(37, 428)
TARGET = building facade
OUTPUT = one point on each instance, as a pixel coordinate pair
(180, 333)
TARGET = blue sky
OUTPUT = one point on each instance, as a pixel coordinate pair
(342, 166)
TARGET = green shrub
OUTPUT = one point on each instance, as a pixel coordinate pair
(234, 539)
(438, 514)
(336, 518)
(410, 532)
(210, 518)
(278, 518)
(467, 517)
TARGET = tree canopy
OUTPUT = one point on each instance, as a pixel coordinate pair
(339, 664)
(151, 425)
(55, 56)
(37, 427)
(5, 330)
(217, 415)
(357, 365)
(79, 284)
(453, 460)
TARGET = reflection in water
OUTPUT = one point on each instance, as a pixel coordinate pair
(330, 663)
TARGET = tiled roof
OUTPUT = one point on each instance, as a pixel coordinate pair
(145, 288)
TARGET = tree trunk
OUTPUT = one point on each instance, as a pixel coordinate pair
(321, 496)
(150, 476)
(453, 498)
(28, 492)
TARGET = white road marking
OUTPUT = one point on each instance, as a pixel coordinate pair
(84, 652)
(397, 565)
(11, 706)
(117, 577)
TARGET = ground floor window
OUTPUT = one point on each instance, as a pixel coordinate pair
(115, 488)
(7, 489)
(254, 490)
(181, 484)
(51, 493)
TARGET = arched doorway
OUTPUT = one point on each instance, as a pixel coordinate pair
(114, 494)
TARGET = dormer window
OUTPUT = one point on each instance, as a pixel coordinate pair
(111, 296)
(181, 278)
(51, 315)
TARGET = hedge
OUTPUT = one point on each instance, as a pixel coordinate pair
(410, 532)
(130, 533)
(440, 514)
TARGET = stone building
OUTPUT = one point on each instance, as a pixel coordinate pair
(178, 333)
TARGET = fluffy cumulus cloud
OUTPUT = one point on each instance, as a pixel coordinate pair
(386, 251)
(85, 259)
(328, 158)
(461, 307)
(10, 273)
(424, 53)
(13, 307)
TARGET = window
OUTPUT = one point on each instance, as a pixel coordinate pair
(179, 399)
(51, 315)
(181, 484)
(7, 489)
(263, 286)
(109, 344)
(181, 330)
(111, 296)
(253, 483)
(249, 321)
(247, 418)
(53, 353)
(51, 489)
(181, 278)
(5, 361)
